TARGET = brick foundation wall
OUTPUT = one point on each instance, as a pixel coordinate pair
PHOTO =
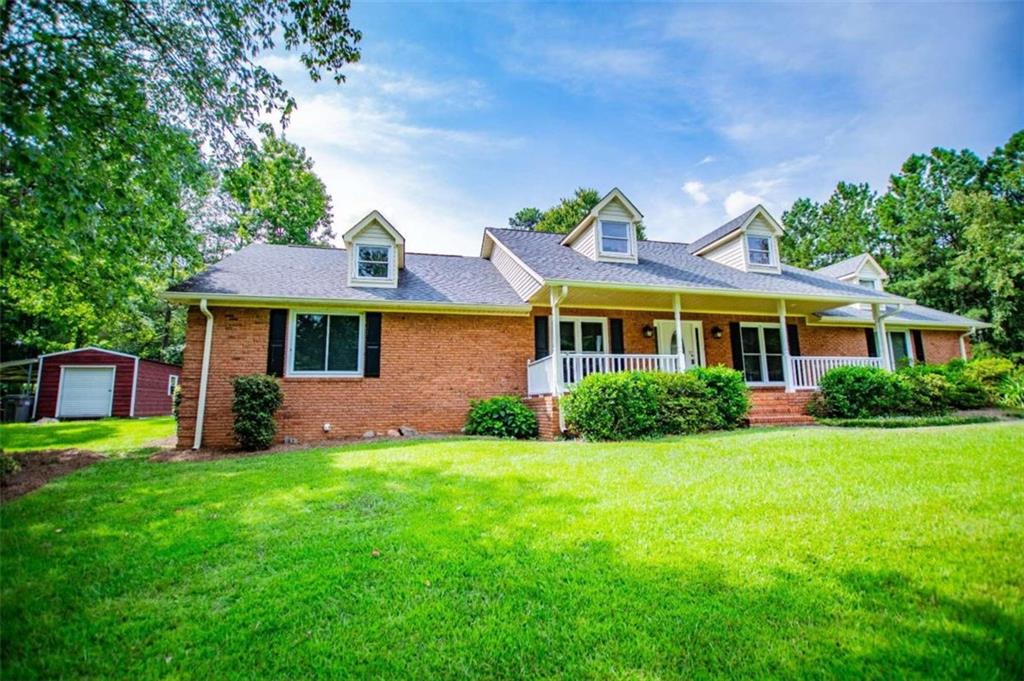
(431, 367)
(546, 409)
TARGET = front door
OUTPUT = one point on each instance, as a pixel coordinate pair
(693, 341)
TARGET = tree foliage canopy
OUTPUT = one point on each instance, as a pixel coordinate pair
(949, 230)
(113, 116)
(563, 216)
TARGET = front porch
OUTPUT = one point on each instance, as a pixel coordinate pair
(777, 344)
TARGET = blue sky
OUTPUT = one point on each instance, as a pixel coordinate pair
(458, 115)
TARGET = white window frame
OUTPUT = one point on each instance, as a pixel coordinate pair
(863, 281)
(577, 330)
(772, 261)
(172, 383)
(908, 345)
(360, 362)
(630, 251)
(762, 353)
(391, 262)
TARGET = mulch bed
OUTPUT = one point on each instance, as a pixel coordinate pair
(38, 468)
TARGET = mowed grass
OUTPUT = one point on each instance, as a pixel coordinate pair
(104, 435)
(766, 553)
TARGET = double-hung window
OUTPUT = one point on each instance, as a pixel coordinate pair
(762, 353)
(759, 249)
(373, 262)
(614, 237)
(328, 344)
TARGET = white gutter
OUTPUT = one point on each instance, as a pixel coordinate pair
(204, 376)
(135, 385)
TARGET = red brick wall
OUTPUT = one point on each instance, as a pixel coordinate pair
(431, 367)
(49, 380)
(151, 398)
(942, 346)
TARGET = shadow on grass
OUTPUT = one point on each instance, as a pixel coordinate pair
(55, 435)
(266, 567)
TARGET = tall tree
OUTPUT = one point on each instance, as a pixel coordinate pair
(822, 234)
(565, 215)
(104, 110)
(280, 199)
(526, 218)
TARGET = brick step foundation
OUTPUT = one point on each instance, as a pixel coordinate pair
(545, 407)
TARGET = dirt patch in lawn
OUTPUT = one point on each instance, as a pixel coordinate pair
(39, 468)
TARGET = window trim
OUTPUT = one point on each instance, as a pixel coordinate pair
(908, 346)
(762, 353)
(772, 262)
(290, 370)
(630, 239)
(172, 382)
(577, 331)
(356, 259)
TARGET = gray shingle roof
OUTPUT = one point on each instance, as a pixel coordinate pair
(714, 235)
(843, 268)
(295, 272)
(669, 265)
(910, 315)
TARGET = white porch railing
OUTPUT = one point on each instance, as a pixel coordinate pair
(807, 371)
(576, 365)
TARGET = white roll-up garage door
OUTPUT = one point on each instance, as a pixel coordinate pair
(86, 392)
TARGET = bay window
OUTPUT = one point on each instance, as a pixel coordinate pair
(326, 344)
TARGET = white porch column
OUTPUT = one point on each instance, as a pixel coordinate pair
(680, 354)
(557, 296)
(881, 339)
(787, 369)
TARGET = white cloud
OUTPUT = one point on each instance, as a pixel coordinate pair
(706, 160)
(695, 190)
(739, 201)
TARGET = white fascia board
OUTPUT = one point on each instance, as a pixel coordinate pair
(227, 300)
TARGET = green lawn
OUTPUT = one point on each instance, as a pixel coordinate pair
(104, 435)
(800, 552)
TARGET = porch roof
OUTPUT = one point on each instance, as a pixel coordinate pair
(910, 315)
(664, 265)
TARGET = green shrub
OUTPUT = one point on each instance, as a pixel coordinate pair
(687, 405)
(920, 391)
(256, 398)
(503, 416)
(8, 464)
(732, 397)
(620, 406)
(1011, 390)
(907, 421)
(176, 401)
(857, 392)
(989, 373)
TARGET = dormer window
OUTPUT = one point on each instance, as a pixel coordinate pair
(614, 237)
(759, 249)
(373, 262)
(868, 283)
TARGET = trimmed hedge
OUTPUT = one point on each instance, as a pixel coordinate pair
(256, 398)
(503, 416)
(907, 421)
(920, 390)
(641, 404)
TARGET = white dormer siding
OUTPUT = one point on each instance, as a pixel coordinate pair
(608, 232)
(742, 248)
(524, 282)
(376, 253)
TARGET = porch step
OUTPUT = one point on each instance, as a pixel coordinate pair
(781, 420)
(775, 407)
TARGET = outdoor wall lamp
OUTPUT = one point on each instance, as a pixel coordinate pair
(716, 332)
(648, 331)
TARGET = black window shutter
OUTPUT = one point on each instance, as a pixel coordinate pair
(794, 340)
(618, 345)
(540, 337)
(737, 345)
(371, 355)
(275, 343)
(918, 345)
(869, 335)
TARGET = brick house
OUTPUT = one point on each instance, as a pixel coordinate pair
(369, 337)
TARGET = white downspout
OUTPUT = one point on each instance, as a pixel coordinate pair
(135, 387)
(204, 376)
(963, 346)
(556, 348)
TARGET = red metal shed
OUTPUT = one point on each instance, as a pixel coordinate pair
(93, 383)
